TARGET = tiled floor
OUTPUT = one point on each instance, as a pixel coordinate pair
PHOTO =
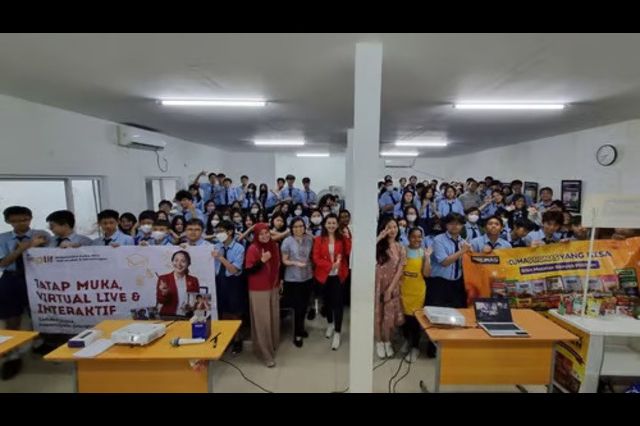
(312, 368)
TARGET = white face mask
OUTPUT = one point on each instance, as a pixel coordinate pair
(146, 228)
(158, 235)
(316, 220)
(255, 211)
(473, 218)
(298, 212)
(215, 222)
(226, 218)
(221, 237)
(411, 217)
(237, 219)
(250, 190)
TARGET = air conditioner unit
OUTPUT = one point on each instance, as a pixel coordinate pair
(400, 163)
(131, 137)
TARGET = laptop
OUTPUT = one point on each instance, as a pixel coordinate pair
(494, 316)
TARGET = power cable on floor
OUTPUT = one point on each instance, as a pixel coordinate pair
(245, 377)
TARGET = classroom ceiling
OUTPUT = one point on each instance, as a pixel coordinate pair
(308, 79)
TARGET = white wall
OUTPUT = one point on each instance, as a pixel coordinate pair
(323, 172)
(40, 140)
(550, 160)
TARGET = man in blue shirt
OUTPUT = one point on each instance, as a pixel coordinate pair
(208, 189)
(446, 284)
(146, 219)
(289, 193)
(13, 287)
(491, 240)
(516, 189)
(309, 198)
(551, 223)
(61, 223)
(389, 199)
(189, 210)
(227, 195)
(111, 235)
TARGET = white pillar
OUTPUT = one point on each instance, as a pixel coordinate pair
(362, 169)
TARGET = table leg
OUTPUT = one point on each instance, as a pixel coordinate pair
(436, 384)
(553, 369)
(74, 376)
(210, 377)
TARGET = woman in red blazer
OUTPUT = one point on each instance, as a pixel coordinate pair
(176, 290)
(331, 267)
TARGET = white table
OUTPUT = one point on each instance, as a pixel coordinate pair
(611, 350)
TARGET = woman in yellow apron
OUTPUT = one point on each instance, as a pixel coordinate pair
(413, 290)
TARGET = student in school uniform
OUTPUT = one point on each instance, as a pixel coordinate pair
(166, 206)
(290, 193)
(406, 201)
(13, 287)
(315, 219)
(210, 227)
(62, 224)
(495, 207)
(491, 240)
(450, 204)
(471, 227)
(227, 194)
(127, 224)
(244, 186)
(189, 209)
(521, 228)
(546, 198)
(268, 199)
(198, 201)
(279, 185)
(412, 218)
(517, 209)
(551, 223)
(403, 232)
(111, 235)
(238, 221)
(160, 233)
(146, 220)
(516, 189)
(471, 198)
(387, 201)
(279, 230)
(250, 197)
(209, 207)
(193, 232)
(246, 237)
(309, 198)
(446, 287)
(178, 227)
(231, 292)
(427, 209)
(209, 189)
(255, 208)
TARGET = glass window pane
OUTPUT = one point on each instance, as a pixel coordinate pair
(155, 186)
(85, 207)
(169, 186)
(41, 196)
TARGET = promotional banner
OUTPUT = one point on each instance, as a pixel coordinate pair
(539, 278)
(71, 290)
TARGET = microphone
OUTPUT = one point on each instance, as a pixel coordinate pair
(179, 341)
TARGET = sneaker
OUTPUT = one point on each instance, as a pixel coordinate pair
(330, 330)
(236, 348)
(388, 349)
(380, 350)
(412, 356)
(11, 368)
(335, 344)
(298, 341)
(271, 364)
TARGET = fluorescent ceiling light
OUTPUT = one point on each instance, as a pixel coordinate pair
(508, 106)
(214, 102)
(312, 154)
(422, 143)
(399, 153)
(278, 142)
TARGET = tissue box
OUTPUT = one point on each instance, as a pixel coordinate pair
(200, 327)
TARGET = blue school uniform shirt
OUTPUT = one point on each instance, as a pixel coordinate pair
(388, 198)
(199, 215)
(404, 237)
(490, 210)
(73, 238)
(226, 196)
(249, 199)
(427, 241)
(477, 244)
(527, 199)
(444, 209)
(271, 200)
(428, 211)
(209, 191)
(293, 193)
(398, 210)
(117, 238)
(200, 242)
(443, 247)
(539, 236)
(309, 197)
(470, 227)
(234, 254)
(9, 241)
(141, 236)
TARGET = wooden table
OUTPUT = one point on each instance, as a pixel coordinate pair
(18, 338)
(469, 356)
(157, 367)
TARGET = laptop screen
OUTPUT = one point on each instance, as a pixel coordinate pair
(492, 310)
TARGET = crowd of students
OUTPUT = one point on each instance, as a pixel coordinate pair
(285, 242)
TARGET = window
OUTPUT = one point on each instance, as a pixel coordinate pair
(159, 189)
(45, 195)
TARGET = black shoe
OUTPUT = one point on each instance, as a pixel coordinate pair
(305, 334)
(311, 315)
(236, 347)
(298, 341)
(11, 368)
